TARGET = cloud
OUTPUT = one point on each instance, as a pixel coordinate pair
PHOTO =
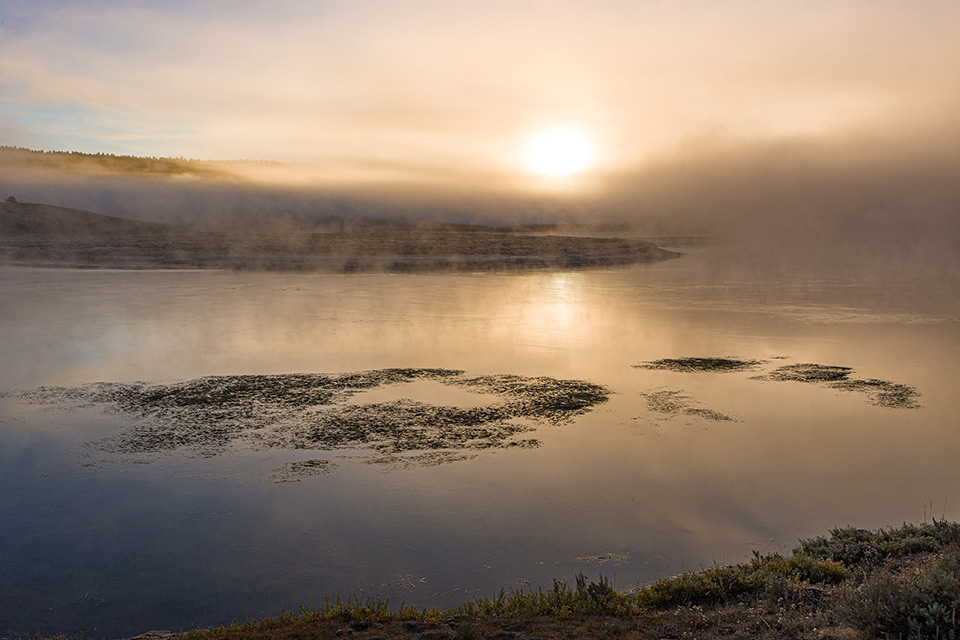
(423, 79)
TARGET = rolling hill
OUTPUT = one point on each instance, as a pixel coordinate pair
(44, 235)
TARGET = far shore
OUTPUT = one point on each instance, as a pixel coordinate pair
(42, 235)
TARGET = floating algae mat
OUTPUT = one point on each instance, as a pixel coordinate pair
(674, 402)
(320, 412)
(881, 393)
(696, 365)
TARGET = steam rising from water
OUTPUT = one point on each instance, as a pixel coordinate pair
(870, 200)
(878, 192)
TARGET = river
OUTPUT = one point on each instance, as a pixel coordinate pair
(675, 470)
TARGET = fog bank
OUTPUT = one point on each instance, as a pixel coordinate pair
(891, 196)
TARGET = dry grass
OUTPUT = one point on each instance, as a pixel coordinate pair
(760, 621)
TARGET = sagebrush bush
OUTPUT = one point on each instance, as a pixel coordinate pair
(921, 600)
(774, 574)
(862, 549)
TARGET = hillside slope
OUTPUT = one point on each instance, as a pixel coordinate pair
(29, 219)
(36, 234)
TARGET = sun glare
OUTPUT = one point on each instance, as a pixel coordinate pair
(559, 152)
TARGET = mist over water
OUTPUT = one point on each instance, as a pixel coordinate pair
(881, 198)
(674, 471)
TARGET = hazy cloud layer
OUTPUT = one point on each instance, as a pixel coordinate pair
(460, 82)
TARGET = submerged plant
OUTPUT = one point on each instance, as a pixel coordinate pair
(312, 412)
(881, 392)
(694, 365)
(673, 402)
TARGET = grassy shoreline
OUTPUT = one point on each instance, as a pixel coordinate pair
(852, 583)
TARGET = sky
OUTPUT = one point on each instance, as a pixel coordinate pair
(751, 97)
(465, 83)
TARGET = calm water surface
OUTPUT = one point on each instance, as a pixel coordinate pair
(115, 546)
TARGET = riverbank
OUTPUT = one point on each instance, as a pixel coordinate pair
(852, 583)
(43, 235)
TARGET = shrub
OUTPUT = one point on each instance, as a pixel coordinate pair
(773, 573)
(862, 549)
(919, 601)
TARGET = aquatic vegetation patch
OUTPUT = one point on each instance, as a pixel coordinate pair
(673, 402)
(420, 460)
(808, 373)
(696, 365)
(616, 559)
(883, 393)
(208, 416)
(880, 392)
(295, 471)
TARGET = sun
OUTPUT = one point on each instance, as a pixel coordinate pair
(559, 152)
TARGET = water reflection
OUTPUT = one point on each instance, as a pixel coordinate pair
(164, 541)
(557, 309)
